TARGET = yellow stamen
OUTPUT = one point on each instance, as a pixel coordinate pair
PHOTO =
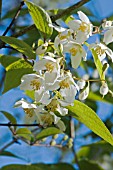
(49, 66)
(73, 51)
(29, 112)
(64, 84)
(35, 84)
(83, 27)
(99, 50)
(47, 119)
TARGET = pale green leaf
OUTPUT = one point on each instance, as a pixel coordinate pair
(10, 117)
(14, 73)
(86, 115)
(20, 46)
(41, 19)
(24, 132)
(48, 132)
(98, 64)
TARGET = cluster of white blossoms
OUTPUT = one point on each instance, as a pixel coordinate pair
(54, 88)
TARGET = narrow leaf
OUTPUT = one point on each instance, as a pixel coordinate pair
(48, 132)
(41, 19)
(86, 115)
(20, 46)
(98, 64)
(10, 117)
(24, 132)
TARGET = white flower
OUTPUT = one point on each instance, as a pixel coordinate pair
(63, 37)
(52, 68)
(28, 109)
(41, 49)
(81, 83)
(108, 36)
(106, 24)
(83, 27)
(68, 90)
(102, 50)
(77, 53)
(104, 89)
(42, 96)
(31, 82)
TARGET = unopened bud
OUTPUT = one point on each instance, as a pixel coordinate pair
(81, 84)
(55, 136)
(104, 89)
(65, 137)
(53, 143)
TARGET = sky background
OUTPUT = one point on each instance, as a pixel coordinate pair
(101, 9)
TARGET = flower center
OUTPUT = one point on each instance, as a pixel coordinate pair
(99, 50)
(64, 84)
(53, 105)
(35, 84)
(73, 51)
(49, 66)
(83, 27)
(29, 112)
(47, 119)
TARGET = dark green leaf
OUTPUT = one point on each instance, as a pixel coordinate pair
(19, 45)
(14, 73)
(86, 115)
(95, 151)
(60, 166)
(6, 60)
(7, 153)
(89, 165)
(41, 19)
(48, 132)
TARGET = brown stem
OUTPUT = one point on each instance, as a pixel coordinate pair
(14, 18)
(11, 124)
(68, 10)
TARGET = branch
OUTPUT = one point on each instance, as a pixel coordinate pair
(14, 18)
(72, 134)
(54, 18)
(11, 124)
(69, 10)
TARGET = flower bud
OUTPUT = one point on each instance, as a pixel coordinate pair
(84, 94)
(104, 89)
(65, 137)
(55, 136)
(53, 143)
(81, 83)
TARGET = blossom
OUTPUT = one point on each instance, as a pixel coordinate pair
(77, 53)
(102, 50)
(81, 83)
(51, 68)
(108, 35)
(28, 108)
(68, 90)
(31, 82)
(84, 93)
(82, 28)
(42, 49)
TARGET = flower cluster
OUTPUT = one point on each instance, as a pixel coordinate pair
(54, 87)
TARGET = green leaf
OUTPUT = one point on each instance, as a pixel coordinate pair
(30, 93)
(98, 64)
(24, 132)
(7, 153)
(97, 97)
(59, 166)
(20, 46)
(89, 165)
(41, 19)
(95, 151)
(86, 115)
(6, 60)
(14, 73)
(10, 117)
(48, 132)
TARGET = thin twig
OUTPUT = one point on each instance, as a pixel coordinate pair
(14, 18)
(69, 10)
(54, 18)
(72, 134)
(11, 124)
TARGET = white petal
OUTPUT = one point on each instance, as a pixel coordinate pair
(56, 118)
(62, 111)
(83, 17)
(108, 36)
(74, 24)
(76, 60)
(109, 53)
